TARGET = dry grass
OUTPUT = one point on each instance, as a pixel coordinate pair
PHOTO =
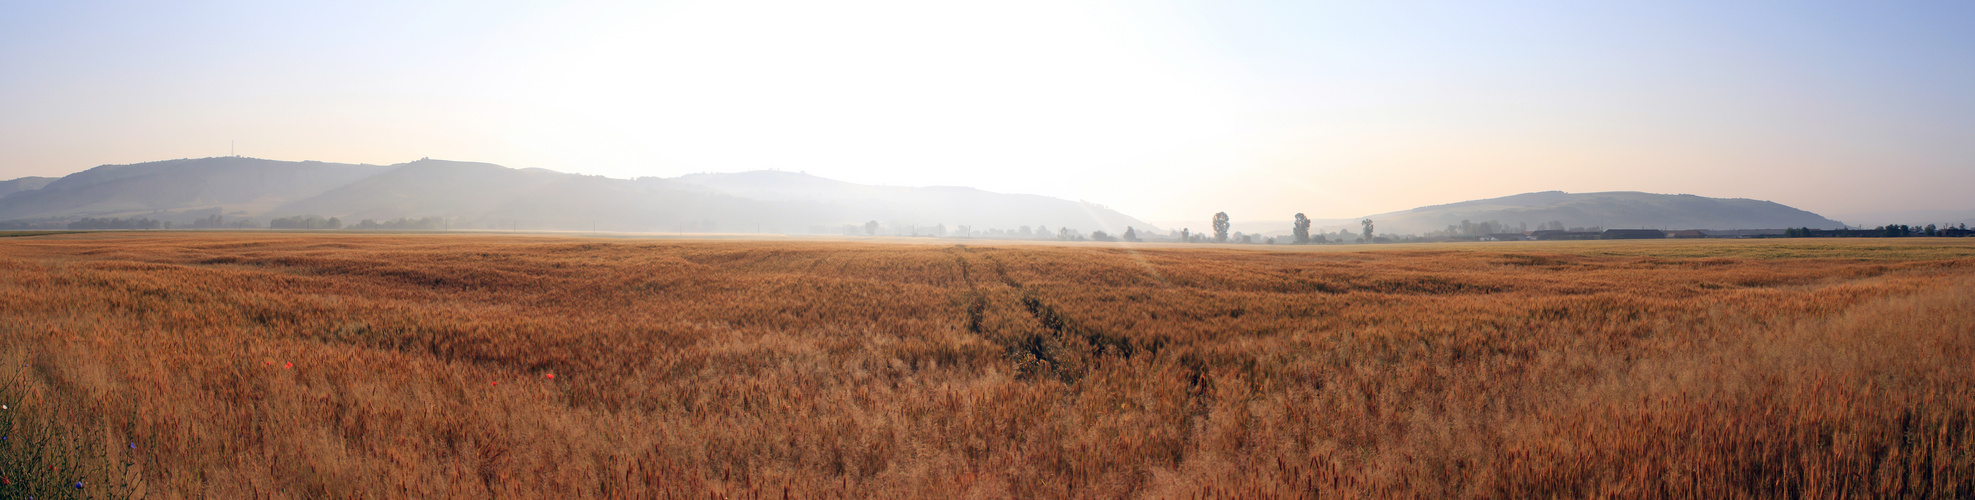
(825, 369)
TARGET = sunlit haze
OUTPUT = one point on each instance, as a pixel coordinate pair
(1163, 110)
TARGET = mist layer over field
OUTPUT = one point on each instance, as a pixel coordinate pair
(315, 365)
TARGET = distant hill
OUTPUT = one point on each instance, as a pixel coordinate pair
(489, 196)
(23, 184)
(1612, 210)
(246, 184)
(1616, 209)
(1911, 218)
(917, 205)
(484, 195)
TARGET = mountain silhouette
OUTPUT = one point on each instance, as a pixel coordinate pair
(245, 184)
(1610, 210)
(916, 205)
(23, 184)
(489, 196)
(1615, 209)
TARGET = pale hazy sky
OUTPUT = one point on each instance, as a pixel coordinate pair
(1162, 109)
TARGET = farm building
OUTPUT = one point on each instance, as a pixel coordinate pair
(1562, 235)
(1633, 234)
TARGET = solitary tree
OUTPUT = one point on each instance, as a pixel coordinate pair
(871, 228)
(1131, 234)
(1221, 226)
(1302, 229)
(1368, 230)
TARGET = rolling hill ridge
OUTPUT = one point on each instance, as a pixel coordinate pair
(489, 196)
(1610, 210)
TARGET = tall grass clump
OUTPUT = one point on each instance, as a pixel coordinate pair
(44, 458)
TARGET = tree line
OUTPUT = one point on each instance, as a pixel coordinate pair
(1886, 231)
(1299, 230)
(115, 223)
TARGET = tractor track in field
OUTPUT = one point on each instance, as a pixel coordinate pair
(1063, 332)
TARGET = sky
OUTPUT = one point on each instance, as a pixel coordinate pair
(1162, 109)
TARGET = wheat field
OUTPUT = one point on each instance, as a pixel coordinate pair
(294, 365)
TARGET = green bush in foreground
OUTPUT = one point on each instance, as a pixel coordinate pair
(44, 461)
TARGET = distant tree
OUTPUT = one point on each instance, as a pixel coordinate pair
(1027, 232)
(1302, 229)
(115, 223)
(19, 225)
(1131, 234)
(1042, 232)
(1063, 233)
(1185, 236)
(305, 222)
(1930, 230)
(1221, 226)
(213, 221)
(1101, 236)
(1368, 230)
(871, 228)
(401, 224)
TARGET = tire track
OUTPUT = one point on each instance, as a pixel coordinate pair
(1061, 339)
(976, 299)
